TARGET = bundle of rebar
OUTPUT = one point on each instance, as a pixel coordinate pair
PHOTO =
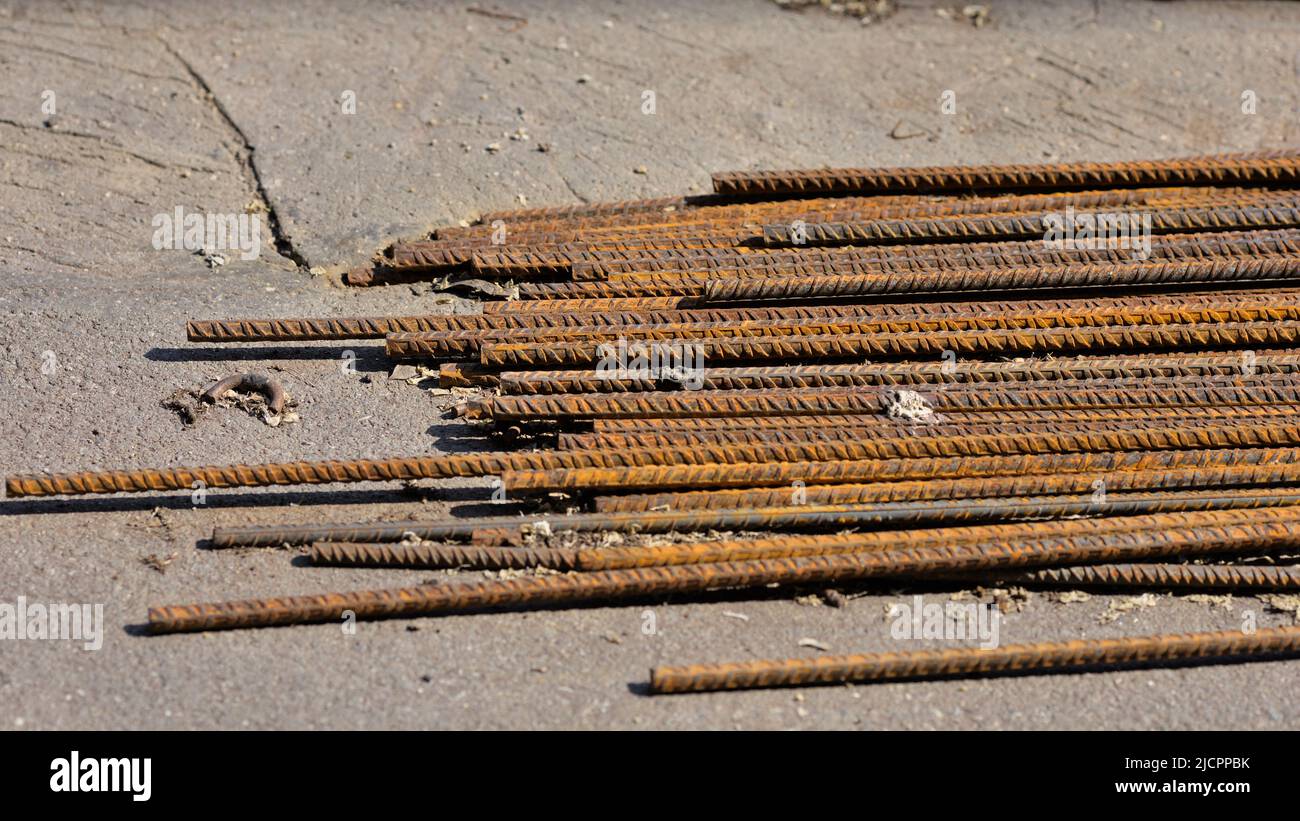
(1078, 374)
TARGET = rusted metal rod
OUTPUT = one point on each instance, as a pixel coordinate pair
(1167, 576)
(777, 435)
(868, 400)
(918, 345)
(1100, 484)
(881, 258)
(1267, 168)
(326, 328)
(651, 580)
(784, 474)
(1168, 650)
(950, 417)
(753, 289)
(467, 344)
(491, 464)
(797, 518)
(441, 556)
(684, 222)
(911, 374)
(712, 209)
(1280, 213)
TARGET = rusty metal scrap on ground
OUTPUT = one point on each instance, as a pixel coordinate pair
(1061, 375)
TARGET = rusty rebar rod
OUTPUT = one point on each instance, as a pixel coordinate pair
(709, 209)
(1252, 209)
(651, 580)
(678, 271)
(476, 557)
(586, 559)
(468, 344)
(1253, 269)
(516, 231)
(293, 329)
(948, 417)
(916, 345)
(1103, 483)
(910, 374)
(796, 518)
(777, 435)
(778, 474)
(1163, 576)
(1247, 577)
(881, 258)
(867, 400)
(1280, 213)
(1268, 168)
(1168, 650)
(492, 464)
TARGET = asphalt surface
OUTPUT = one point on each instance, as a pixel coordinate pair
(241, 109)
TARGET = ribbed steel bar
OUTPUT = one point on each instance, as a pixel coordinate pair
(878, 258)
(892, 205)
(835, 427)
(877, 400)
(465, 375)
(1245, 577)
(910, 374)
(667, 286)
(643, 581)
(722, 233)
(657, 204)
(668, 271)
(668, 211)
(492, 464)
(1204, 532)
(813, 433)
(464, 344)
(1236, 476)
(1269, 168)
(912, 345)
(938, 519)
(292, 329)
(441, 556)
(524, 230)
(784, 474)
(1282, 213)
(1168, 650)
(1009, 279)
(538, 267)
(1002, 417)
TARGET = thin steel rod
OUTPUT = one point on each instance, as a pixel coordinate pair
(868, 400)
(468, 344)
(1103, 483)
(491, 464)
(910, 374)
(642, 581)
(771, 289)
(784, 474)
(1246, 577)
(1268, 168)
(915, 345)
(798, 518)
(1081, 655)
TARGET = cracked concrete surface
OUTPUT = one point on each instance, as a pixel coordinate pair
(241, 109)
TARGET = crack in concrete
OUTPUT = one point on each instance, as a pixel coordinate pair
(283, 245)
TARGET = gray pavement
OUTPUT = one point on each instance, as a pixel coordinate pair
(242, 109)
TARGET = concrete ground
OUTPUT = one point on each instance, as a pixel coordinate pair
(110, 116)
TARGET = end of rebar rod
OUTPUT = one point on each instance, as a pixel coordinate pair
(359, 276)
